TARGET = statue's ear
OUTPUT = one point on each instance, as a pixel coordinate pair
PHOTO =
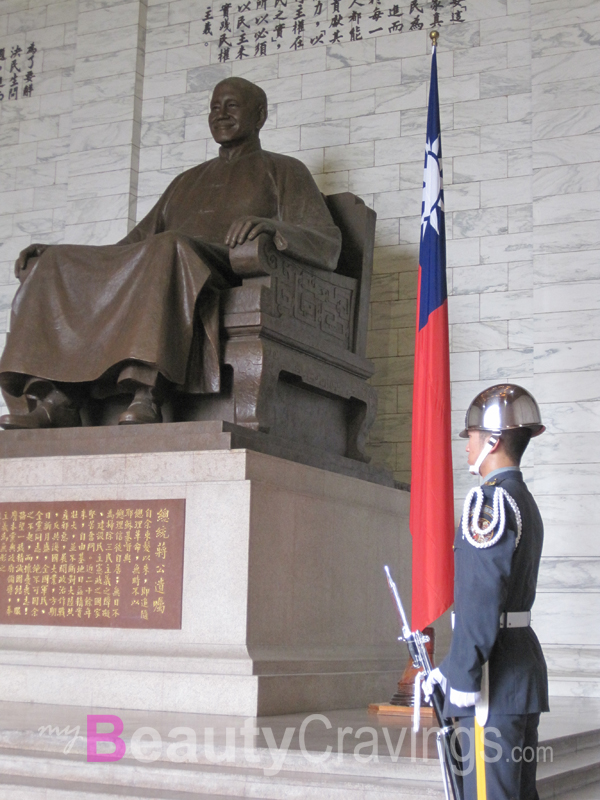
(261, 116)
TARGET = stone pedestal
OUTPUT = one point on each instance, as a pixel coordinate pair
(285, 605)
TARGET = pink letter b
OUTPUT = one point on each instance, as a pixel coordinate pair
(93, 737)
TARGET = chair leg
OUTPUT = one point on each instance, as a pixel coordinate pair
(254, 383)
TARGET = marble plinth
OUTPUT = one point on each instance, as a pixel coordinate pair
(285, 606)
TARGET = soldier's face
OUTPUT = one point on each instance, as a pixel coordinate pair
(234, 115)
(475, 445)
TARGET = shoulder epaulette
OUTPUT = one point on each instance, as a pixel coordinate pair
(484, 526)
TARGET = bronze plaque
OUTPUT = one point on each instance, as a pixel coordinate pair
(96, 563)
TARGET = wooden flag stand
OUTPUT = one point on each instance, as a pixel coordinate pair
(402, 703)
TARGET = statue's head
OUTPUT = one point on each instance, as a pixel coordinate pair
(238, 110)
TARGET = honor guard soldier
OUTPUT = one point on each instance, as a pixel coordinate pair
(495, 676)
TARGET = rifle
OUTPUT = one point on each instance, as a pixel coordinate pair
(450, 756)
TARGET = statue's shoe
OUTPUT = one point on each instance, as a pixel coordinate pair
(45, 415)
(141, 412)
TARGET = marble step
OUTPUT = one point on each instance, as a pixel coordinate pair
(163, 781)
(575, 765)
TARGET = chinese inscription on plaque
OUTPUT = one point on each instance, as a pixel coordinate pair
(254, 28)
(16, 71)
(113, 564)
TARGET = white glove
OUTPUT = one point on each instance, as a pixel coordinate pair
(464, 699)
(435, 676)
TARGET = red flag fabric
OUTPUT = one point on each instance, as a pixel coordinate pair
(432, 503)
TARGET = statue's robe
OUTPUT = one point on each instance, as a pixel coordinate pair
(83, 314)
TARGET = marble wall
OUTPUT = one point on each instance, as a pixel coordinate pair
(119, 108)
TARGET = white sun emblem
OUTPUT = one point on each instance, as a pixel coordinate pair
(432, 187)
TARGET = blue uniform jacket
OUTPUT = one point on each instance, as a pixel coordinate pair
(486, 583)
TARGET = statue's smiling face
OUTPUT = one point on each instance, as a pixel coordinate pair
(234, 114)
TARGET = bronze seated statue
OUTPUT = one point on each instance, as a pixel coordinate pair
(222, 303)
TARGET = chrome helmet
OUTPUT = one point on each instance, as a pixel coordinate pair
(503, 407)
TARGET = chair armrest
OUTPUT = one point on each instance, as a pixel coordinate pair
(250, 259)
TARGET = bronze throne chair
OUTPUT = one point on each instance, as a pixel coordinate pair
(294, 341)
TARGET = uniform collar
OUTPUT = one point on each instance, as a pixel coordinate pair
(503, 472)
(233, 154)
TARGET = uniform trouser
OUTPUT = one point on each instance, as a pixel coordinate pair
(511, 755)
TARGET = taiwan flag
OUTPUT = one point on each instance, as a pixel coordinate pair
(432, 505)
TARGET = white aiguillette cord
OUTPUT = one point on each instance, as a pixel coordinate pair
(489, 446)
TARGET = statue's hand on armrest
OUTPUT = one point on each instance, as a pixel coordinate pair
(21, 264)
(248, 228)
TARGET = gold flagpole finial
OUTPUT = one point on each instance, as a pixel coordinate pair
(434, 36)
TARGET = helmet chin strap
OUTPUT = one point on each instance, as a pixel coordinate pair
(487, 449)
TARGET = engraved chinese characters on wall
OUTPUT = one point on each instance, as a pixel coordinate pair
(16, 71)
(109, 563)
(254, 28)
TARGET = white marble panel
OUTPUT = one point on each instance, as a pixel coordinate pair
(459, 36)
(460, 143)
(566, 150)
(18, 201)
(506, 365)
(352, 54)
(307, 111)
(581, 386)
(462, 394)
(113, 110)
(567, 94)
(372, 76)
(567, 237)
(351, 156)
(473, 280)
(400, 97)
(410, 230)
(566, 326)
(386, 232)
(332, 182)
(519, 53)
(35, 130)
(512, 247)
(510, 135)
(101, 184)
(567, 180)
(557, 544)
(102, 42)
(375, 179)
(50, 197)
(562, 618)
(33, 223)
(462, 252)
(399, 258)
(400, 314)
(181, 155)
(353, 104)
(480, 167)
(520, 333)
(167, 85)
(570, 418)
(566, 66)
(515, 80)
(399, 150)
(569, 449)
(397, 204)
(366, 128)
(100, 160)
(326, 134)
(480, 112)
(301, 62)
(105, 135)
(519, 107)
(330, 82)
(550, 13)
(58, 13)
(564, 477)
(37, 175)
(204, 79)
(567, 208)
(519, 162)
(520, 218)
(520, 275)
(480, 222)
(26, 20)
(419, 67)
(109, 18)
(414, 121)
(506, 305)
(313, 159)
(412, 43)
(95, 209)
(287, 140)
(565, 39)
(191, 104)
(458, 197)
(464, 367)
(567, 357)
(467, 337)
(154, 182)
(566, 122)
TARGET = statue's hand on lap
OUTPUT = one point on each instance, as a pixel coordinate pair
(22, 262)
(248, 228)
